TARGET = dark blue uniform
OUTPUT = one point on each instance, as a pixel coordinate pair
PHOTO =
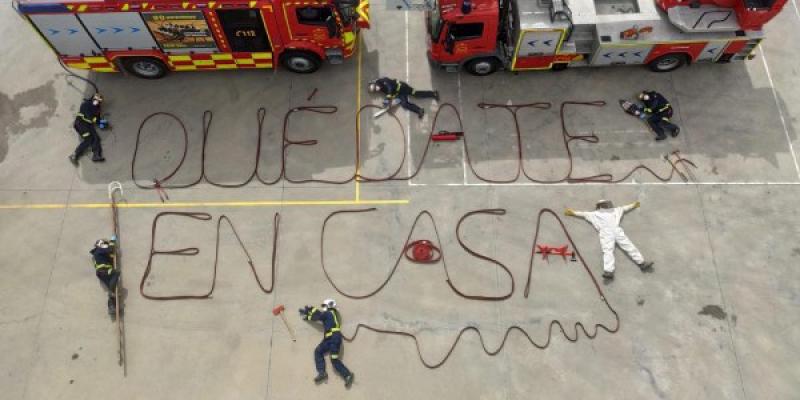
(332, 340)
(84, 126)
(394, 88)
(104, 269)
(659, 112)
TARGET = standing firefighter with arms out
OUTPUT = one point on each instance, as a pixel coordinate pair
(85, 122)
(605, 219)
(331, 342)
(103, 255)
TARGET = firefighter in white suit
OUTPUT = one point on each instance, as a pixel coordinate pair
(605, 219)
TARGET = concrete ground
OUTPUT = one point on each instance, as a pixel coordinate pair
(718, 319)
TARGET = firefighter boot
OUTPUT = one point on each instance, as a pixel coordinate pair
(608, 276)
(675, 131)
(98, 158)
(436, 95)
(112, 306)
(321, 377)
(73, 159)
(646, 266)
(421, 114)
(348, 380)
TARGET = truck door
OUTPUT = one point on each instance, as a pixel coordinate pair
(466, 39)
(66, 34)
(312, 22)
(244, 30)
(537, 49)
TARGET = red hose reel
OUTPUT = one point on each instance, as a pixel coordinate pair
(422, 252)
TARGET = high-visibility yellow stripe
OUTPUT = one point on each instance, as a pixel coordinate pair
(203, 62)
(105, 69)
(245, 61)
(79, 65)
(226, 66)
(95, 59)
(185, 68)
(224, 56)
(261, 56)
(82, 7)
(180, 58)
(261, 65)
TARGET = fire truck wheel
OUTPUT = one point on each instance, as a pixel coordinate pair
(145, 67)
(482, 66)
(667, 62)
(300, 62)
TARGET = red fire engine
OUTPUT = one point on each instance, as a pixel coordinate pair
(148, 38)
(483, 36)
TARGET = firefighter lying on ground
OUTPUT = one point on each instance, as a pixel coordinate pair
(103, 257)
(606, 219)
(657, 112)
(85, 122)
(331, 341)
(399, 90)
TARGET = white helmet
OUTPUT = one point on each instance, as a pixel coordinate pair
(328, 303)
(97, 98)
(644, 96)
(374, 88)
(101, 243)
(604, 204)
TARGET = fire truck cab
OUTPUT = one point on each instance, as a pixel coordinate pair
(483, 36)
(149, 38)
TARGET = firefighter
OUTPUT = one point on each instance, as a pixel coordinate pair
(103, 257)
(331, 342)
(657, 112)
(606, 219)
(397, 89)
(84, 125)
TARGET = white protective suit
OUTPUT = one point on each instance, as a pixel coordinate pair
(606, 221)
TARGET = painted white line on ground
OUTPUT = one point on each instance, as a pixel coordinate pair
(780, 111)
(463, 150)
(408, 115)
(518, 184)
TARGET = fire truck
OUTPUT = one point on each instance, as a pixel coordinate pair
(149, 38)
(483, 36)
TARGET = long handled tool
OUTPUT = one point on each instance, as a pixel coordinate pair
(114, 187)
(387, 108)
(279, 311)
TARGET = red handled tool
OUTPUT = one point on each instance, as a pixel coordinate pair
(279, 311)
(445, 136)
(562, 251)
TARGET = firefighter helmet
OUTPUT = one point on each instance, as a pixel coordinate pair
(604, 204)
(374, 88)
(101, 243)
(644, 96)
(328, 303)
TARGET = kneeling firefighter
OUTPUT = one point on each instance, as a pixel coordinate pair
(331, 341)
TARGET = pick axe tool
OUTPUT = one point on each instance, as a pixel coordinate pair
(279, 311)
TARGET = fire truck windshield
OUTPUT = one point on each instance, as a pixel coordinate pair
(434, 19)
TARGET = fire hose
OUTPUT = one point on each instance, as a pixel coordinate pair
(288, 142)
(193, 251)
(570, 335)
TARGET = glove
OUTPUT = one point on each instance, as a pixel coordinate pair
(113, 238)
(304, 311)
(637, 204)
(386, 103)
(569, 212)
